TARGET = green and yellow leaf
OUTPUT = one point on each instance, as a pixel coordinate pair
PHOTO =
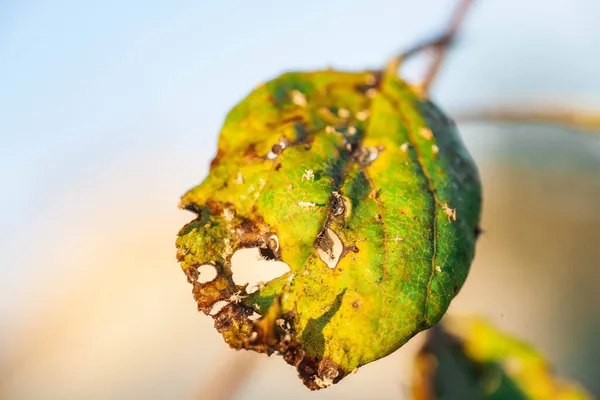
(363, 189)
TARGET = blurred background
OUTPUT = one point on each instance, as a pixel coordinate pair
(109, 111)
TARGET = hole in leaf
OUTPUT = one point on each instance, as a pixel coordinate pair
(206, 273)
(255, 316)
(329, 247)
(249, 266)
(218, 306)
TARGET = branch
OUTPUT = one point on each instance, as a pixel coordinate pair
(573, 119)
(440, 44)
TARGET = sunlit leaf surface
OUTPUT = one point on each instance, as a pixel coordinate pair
(363, 189)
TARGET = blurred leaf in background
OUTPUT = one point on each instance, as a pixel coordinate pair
(467, 358)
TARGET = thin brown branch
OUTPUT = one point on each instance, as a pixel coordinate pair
(573, 119)
(441, 50)
(439, 41)
(440, 44)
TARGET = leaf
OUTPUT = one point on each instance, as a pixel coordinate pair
(364, 190)
(467, 358)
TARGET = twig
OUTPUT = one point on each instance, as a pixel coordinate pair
(573, 119)
(441, 50)
(440, 44)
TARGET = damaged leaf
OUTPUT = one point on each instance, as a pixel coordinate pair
(467, 358)
(363, 189)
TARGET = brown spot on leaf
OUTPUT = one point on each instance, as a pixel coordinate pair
(214, 207)
(270, 249)
(277, 149)
(329, 369)
(294, 118)
(252, 233)
(352, 248)
(251, 152)
(217, 160)
(191, 274)
(337, 204)
(293, 355)
(325, 242)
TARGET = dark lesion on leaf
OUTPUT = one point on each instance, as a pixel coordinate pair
(313, 332)
(351, 248)
(325, 243)
(277, 149)
(291, 119)
(318, 372)
(250, 152)
(273, 331)
(337, 204)
(251, 233)
(270, 249)
(217, 160)
(192, 208)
